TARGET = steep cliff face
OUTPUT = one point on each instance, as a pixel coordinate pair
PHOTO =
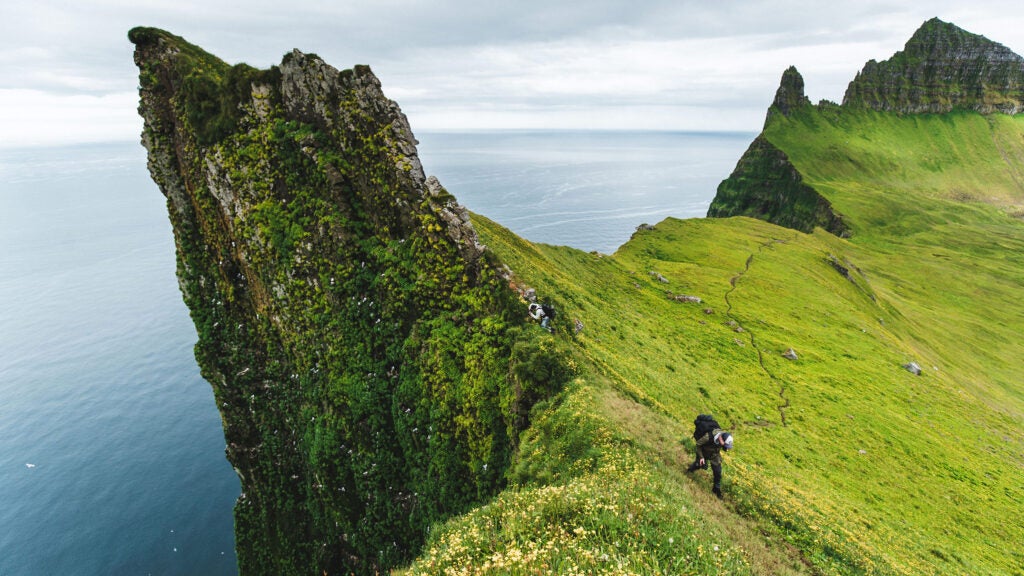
(942, 68)
(766, 185)
(365, 354)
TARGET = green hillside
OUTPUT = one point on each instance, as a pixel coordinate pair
(842, 453)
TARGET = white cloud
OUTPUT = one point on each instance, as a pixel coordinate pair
(688, 84)
(674, 64)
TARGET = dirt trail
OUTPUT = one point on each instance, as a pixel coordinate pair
(753, 340)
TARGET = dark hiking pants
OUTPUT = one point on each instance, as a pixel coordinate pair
(716, 471)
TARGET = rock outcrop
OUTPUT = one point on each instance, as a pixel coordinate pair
(766, 185)
(790, 95)
(913, 368)
(363, 348)
(942, 68)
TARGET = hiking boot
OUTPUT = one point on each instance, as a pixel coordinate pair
(717, 491)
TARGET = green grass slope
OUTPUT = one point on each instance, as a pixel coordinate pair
(842, 454)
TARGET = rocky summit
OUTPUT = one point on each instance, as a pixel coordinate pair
(942, 68)
(790, 94)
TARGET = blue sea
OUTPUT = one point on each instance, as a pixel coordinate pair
(111, 450)
(588, 190)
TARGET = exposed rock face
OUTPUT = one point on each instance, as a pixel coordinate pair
(790, 95)
(766, 185)
(913, 368)
(942, 68)
(361, 344)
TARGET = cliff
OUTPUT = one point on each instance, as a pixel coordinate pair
(365, 353)
(942, 68)
(766, 185)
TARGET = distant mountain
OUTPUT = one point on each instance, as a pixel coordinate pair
(766, 185)
(942, 68)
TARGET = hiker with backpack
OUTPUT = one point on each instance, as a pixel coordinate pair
(549, 315)
(710, 440)
(544, 313)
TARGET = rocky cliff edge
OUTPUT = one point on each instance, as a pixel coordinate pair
(366, 354)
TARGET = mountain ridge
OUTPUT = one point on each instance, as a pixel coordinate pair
(942, 68)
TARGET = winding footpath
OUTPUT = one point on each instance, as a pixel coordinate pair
(753, 341)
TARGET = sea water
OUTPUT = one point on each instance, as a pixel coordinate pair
(588, 190)
(111, 448)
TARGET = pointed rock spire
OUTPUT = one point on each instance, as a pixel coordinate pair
(790, 94)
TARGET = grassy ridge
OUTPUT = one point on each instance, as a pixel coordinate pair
(961, 156)
(865, 467)
(932, 215)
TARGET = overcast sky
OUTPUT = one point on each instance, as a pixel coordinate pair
(66, 71)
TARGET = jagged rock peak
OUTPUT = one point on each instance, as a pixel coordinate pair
(188, 94)
(942, 68)
(790, 94)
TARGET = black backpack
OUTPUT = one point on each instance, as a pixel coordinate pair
(703, 424)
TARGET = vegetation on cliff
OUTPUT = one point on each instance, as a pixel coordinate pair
(766, 185)
(367, 356)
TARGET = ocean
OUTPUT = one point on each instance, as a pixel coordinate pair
(111, 448)
(588, 190)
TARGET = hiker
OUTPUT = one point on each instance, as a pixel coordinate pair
(549, 315)
(542, 312)
(710, 440)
